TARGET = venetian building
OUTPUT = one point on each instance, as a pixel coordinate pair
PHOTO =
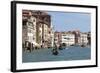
(68, 38)
(84, 38)
(36, 25)
(77, 37)
(50, 36)
(28, 26)
(57, 38)
(42, 27)
(89, 38)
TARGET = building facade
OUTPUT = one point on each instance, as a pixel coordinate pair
(77, 37)
(89, 38)
(68, 38)
(36, 27)
(72, 38)
(28, 27)
(84, 38)
(57, 38)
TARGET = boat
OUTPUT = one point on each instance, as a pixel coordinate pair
(62, 46)
(54, 52)
(82, 45)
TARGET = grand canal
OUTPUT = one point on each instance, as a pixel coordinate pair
(70, 53)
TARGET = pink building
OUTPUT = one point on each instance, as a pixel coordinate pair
(77, 36)
(57, 38)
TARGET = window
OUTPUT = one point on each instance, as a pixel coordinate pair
(34, 20)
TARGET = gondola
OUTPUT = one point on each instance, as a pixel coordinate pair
(55, 52)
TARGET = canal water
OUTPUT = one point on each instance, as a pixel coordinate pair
(70, 53)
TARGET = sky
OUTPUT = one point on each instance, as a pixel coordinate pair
(69, 21)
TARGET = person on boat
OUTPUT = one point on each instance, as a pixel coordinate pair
(55, 50)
